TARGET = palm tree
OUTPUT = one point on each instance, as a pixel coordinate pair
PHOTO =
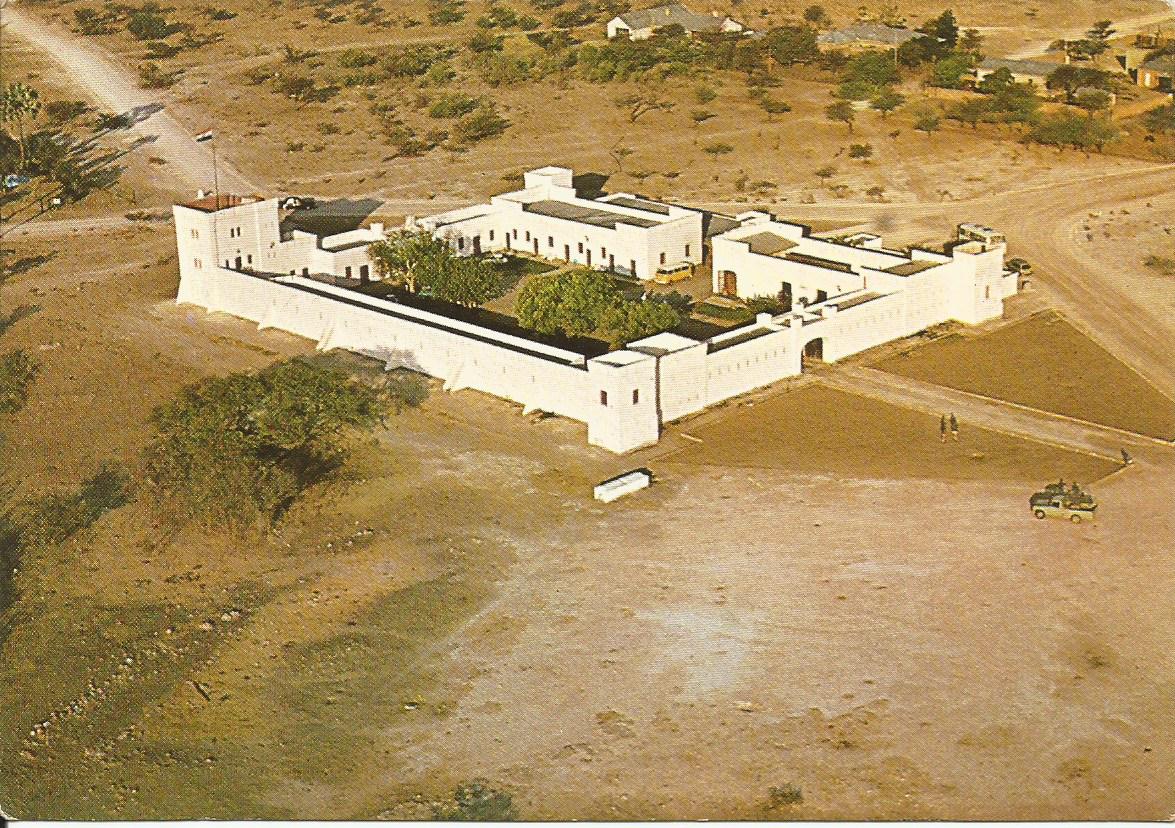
(19, 101)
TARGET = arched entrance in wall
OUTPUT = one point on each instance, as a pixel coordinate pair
(728, 283)
(813, 352)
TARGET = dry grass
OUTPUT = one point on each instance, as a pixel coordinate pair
(1043, 362)
(817, 430)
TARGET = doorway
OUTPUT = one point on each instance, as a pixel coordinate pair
(813, 352)
(728, 283)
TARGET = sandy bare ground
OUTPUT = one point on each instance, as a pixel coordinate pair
(897, 647)
(110, 85)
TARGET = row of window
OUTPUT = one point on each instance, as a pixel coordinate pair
(636, 397)
(233, 233)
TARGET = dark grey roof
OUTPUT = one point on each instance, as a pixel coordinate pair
(1162, 63)
(716, 224)
(585, 215)
(1035, 68)
(768, 244)
(868, 33)
(859, 299)
(673, 14)
(911, 267)
(640, 204)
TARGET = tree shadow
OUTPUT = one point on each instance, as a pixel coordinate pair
(18, 313)
(23, 265)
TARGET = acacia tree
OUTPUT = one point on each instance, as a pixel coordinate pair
(841, 111)
(18, 102)
(409, 258)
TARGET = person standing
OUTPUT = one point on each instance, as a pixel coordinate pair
(954, 427)
(942, 428)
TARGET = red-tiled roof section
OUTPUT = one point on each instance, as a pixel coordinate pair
(212, 203)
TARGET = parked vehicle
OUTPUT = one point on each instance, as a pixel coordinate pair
(297, 203)
(1055, 500)
(673, 273)
(1020, 266)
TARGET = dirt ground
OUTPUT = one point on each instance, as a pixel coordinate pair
(1043, 362)
(894, 636)
(817, 430)
(730, 630)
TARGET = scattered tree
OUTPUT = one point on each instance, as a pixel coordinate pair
(843, 112)
(408, 258)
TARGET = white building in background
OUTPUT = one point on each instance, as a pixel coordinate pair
(548, 218)
(843, 297)
(643, 24)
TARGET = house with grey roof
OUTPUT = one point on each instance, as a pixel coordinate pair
(1158, 73)
(861, 36)
(1034, 72)
(643, 24)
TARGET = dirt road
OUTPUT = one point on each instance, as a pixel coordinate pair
(110, 85)
(1142, 23)
(990, 413)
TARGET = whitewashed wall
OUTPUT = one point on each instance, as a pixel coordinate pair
(539, 376)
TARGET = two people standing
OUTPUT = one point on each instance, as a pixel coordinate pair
(942, 427)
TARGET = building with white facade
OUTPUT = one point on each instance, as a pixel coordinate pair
(643, 23)
(842, 297)
(548, 218)
(244, 233)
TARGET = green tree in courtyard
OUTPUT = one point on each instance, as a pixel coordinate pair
(409, 258)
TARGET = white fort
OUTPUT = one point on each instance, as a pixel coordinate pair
(843, 296)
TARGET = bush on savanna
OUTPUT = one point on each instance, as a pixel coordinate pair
(786, 794)
(237, 451)
(453, 105)
(1161, 264)
(18, 370)
(476, 801)
(480, 125)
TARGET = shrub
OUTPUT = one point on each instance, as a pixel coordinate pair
(238, 450)
(151, 76)
(476, 801)
(861, 151)
(787, 794)
(147, 24)
(453, 106)
(17, 372)
(356, 58)
(483, 124)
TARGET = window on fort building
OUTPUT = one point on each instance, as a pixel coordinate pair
(347, 271)
(461, 243)
(248, 258)
(305, 271)
(195, 233)
(632, 266)
(528, 235)
(603, 252)
(581, 247)
(987, 292)
(491, 235)
(687, 251)
(515, 232)
(550, 241)
(198, 263)
(662, 258)
(636, 396)
(603, 398)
